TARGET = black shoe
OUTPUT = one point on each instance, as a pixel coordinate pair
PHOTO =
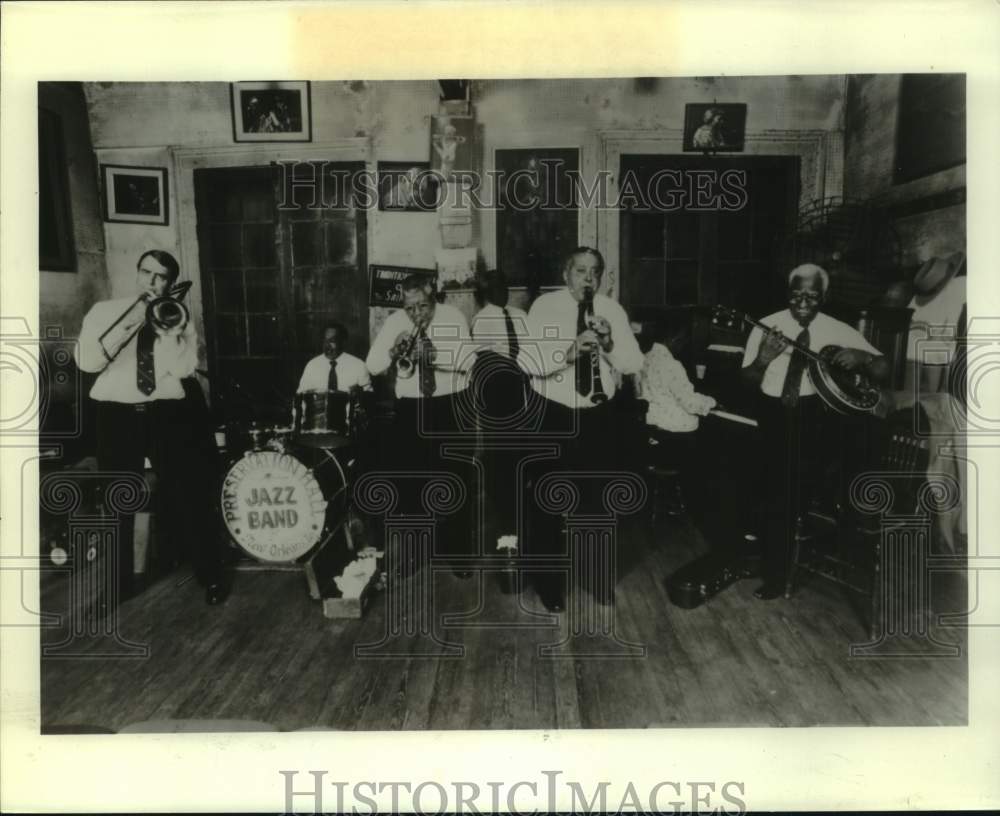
(768, 592)
(215, 593)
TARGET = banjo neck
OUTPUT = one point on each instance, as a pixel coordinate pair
(808, 352)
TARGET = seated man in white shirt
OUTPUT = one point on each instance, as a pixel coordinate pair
(139, 396)
(793, 418)
(428, 347)
(573, 359)
(674, 407)
(334, 369)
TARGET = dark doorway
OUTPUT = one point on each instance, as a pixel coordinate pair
(271, 278)
(690, 255)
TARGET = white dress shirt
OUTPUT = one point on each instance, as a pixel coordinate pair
(350, 372)
(934, 324)
(674, 405)
(174, 357)
(489, 329)
(448, 331)
(552, 329)
(823, 331)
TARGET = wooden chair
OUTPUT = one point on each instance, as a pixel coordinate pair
(843, 545)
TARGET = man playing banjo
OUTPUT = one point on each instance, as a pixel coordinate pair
(792, 414)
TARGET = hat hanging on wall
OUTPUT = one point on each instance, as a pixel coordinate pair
(935, 273)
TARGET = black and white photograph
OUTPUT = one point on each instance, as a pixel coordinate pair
(714, 127)
(271, 112)
(771, 317)
(132, 195)
(687, 452)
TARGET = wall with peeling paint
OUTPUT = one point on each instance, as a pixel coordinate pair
(64, 297)
(872, 107)
(151, 123)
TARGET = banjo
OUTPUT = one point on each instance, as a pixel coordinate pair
(846, 392)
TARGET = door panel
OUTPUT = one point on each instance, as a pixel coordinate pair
(690, 257)
(271, 279)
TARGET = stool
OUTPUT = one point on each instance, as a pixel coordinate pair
(664, 476)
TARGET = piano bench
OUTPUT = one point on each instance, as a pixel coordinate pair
(665, 482)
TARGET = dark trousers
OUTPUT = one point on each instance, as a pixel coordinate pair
(598, 443)
(505, 414)
(175, 437)
(420, 428)
(797, 456)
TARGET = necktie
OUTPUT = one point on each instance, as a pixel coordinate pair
(584, 365)
(331, 382)
(513, 346)
(428, 384)
(796, 368)
(145, 372)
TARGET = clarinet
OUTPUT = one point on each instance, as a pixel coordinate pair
(597, 395)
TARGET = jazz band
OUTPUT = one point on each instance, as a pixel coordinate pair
(564, 362)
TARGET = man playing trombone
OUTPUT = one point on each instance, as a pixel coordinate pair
(143, 349)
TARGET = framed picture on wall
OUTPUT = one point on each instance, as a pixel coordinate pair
(712, 127)
(271, 111)
(135, 195)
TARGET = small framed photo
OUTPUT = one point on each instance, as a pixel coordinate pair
(135, 195)
(451, 143)
(271, 111)
(407, 187)
(713, 127)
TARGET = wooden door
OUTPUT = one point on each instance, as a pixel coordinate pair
(692, 256)
(270, 279)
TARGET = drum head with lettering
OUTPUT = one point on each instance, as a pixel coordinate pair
(273, 506)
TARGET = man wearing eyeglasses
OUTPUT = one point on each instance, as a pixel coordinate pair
(793, 418)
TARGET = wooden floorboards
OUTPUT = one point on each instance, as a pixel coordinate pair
(269, 656)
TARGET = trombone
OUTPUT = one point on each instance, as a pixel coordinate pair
(166, 314)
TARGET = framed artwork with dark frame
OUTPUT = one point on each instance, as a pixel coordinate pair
(271, 111)
(715, 127)
(408, 187)
(135, 195)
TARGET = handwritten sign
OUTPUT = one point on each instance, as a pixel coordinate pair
(387, 283)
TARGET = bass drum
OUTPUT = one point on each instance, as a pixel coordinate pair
(281, 503)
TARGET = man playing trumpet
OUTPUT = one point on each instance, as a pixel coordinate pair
(427, 345)
(146, 407)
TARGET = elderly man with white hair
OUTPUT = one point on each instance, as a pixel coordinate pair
(793, 417)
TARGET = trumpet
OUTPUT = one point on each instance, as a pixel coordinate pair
(166, 314)
(406, 365)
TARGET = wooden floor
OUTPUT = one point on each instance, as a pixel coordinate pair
(268, 655)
